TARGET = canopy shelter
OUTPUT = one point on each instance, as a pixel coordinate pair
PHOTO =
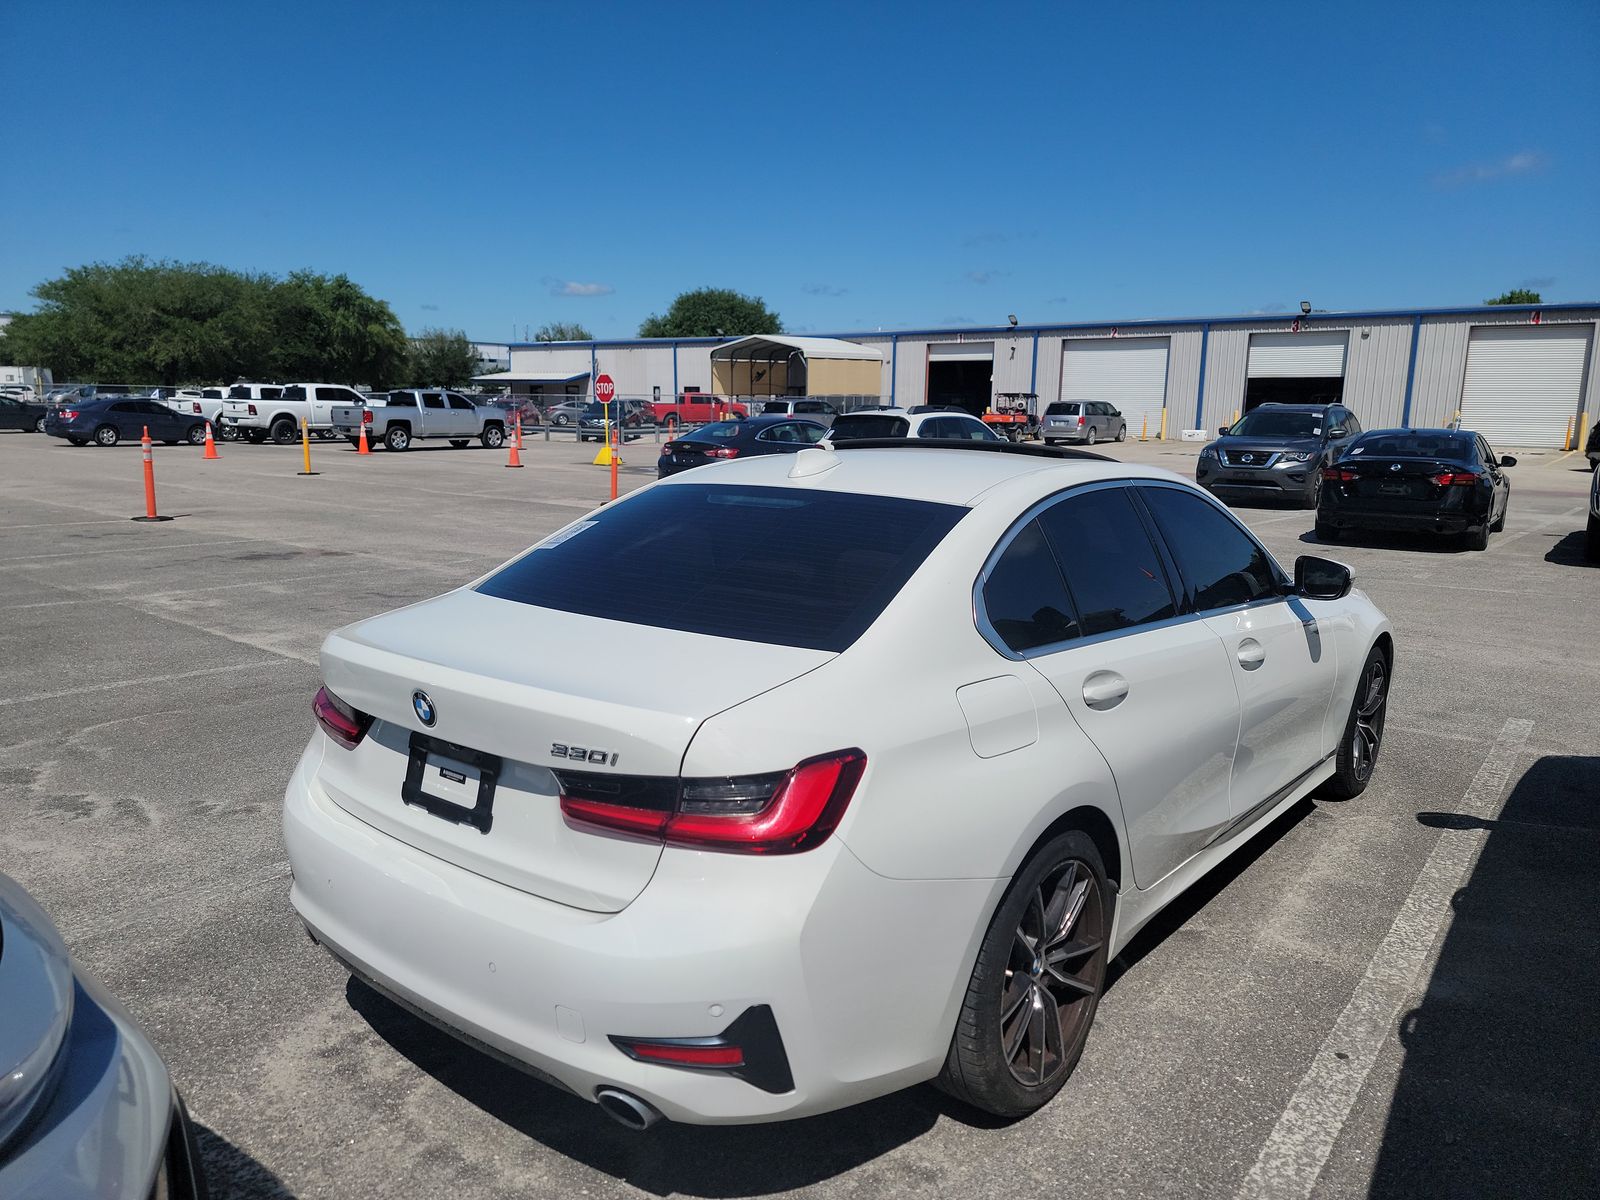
(779, 365)
(537, 383)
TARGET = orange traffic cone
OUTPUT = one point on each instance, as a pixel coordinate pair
(211, 445)
(149, 481)
(516, 445)
(362, 448)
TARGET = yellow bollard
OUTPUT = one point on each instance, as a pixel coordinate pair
(1163, 434)
(305, 446)
(1144, 428)
(1235, 420)
(1578, 430)
(1566, 442)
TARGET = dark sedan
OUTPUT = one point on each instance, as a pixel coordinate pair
(21, 414)
(106, 421)
(1445, 481)
(737, 439)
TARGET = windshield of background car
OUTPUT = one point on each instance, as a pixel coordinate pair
(784, 566)
(1456, 446)
(1278, 423)
(869, 425)
(720, 432)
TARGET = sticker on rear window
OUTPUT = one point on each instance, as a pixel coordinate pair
(566, 535)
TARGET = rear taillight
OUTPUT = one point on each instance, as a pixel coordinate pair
(1080, 420)
(722, 452)
(1454, 479)
(196, 406)
(1337, 474)
(338, 720)
(69, 414)
(366, 417)
(682, 1054)
(781, 813)
(252, 409)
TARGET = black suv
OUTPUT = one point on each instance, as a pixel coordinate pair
(1276, 452)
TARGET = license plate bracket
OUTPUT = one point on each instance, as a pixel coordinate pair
(1394, 489)
(446, 759)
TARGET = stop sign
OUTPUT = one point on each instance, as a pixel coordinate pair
(605, 391)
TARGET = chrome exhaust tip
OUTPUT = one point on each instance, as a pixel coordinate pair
(627, 1109)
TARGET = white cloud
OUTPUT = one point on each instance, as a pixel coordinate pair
(571, 287)
(1523, 162)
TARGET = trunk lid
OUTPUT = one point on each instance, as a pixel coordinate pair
(512, 681)
(1399, 481)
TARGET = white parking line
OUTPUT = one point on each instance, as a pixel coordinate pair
(1298, 1147)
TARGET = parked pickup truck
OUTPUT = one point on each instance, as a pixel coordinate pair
(420, 413)
(696, 408)
(279, 417)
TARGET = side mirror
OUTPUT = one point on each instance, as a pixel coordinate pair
(1222, 430)
(1507, 460)
(1338, 431)
(1321, 578)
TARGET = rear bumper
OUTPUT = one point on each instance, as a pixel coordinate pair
(112, 1126)
(1427, 522)
(712, 935)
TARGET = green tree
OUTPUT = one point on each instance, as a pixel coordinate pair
(708, 312)
(442, 358)
(1517, 296)
(562, 331)
(326, 328)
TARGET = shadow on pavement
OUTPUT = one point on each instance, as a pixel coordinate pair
(671, 1159)
(1569, 551)
(1498, 1092)
(1425, 543)
(231, 1173)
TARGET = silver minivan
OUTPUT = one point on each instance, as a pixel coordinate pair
(1087, 421)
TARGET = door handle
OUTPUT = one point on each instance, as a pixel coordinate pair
(1251, 654)
(1104, 690)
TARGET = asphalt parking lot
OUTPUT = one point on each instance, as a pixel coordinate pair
(1392, 996)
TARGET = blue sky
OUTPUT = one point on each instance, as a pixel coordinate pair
(494, 166)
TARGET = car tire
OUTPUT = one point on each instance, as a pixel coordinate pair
(283, 432)
(397, 438)
(78, 441)
(1591, 541)
(1500, 522)
(1309, 500)
(560, 419)
(196, 435)
(1122, 432)
(354, 441)
(1477, 539)
(492, 437)
(1049, 441)
(671, 423)
(1063, 875)
(1326, 532)
(1088, 438)
(38, 426)
(107, 435)
(256, 436)
(1363, 731)
(226, 433)
(461, 443)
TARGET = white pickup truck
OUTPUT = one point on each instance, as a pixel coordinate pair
(412, 413)
(209, 402)
(279, 417)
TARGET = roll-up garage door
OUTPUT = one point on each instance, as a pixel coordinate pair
(1523, 382)
(1130, 373)
(1318, 355)
(961, 352)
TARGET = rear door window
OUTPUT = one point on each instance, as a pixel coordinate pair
(783, 566)
(432, 400)
(1113, 572)
(1024, 596)
(1221, 564)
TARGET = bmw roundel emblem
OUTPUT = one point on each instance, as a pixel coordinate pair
(424, 707)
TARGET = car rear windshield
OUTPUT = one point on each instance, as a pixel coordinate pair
(849, 428)
(1423, 444)
(1062, 408)
(720, 432)
(784, 566)
(1278, 422)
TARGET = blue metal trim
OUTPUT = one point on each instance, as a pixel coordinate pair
(1411, 369)
(1317, 320)
(1033, 371)
(894, 363)
(1200, 392)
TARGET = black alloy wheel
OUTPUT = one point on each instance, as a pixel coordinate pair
(1036, 983)
(283, 432)
(1363, 732)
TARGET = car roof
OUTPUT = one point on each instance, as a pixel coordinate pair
(944, 472)
(1280, 404)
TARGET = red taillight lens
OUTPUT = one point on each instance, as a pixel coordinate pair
(1337, 475)
(366, 417)
(781, 813)
(196, 406)
(69, 414)
(338, 720)
(252, 409)
(1080, 420)
(1454, 479)
(722, 452)
(683, 1055)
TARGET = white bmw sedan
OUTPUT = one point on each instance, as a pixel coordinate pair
(811, 777)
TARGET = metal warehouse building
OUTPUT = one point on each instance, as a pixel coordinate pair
(1521, 375)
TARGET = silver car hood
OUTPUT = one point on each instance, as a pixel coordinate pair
(36, 990)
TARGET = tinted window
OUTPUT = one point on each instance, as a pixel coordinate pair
(1024, 596)
(1112, 569)
(335, 395)
(123, 407)
(402, 400)
(1062, 408)
(1221, 564)
(777, 407)
(1419, 443)
(971, 431)
(293, 393)
(458, 402)
(432, 400)
(780, 565)
(851, 427)
(1278, 422)
(720, 432)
